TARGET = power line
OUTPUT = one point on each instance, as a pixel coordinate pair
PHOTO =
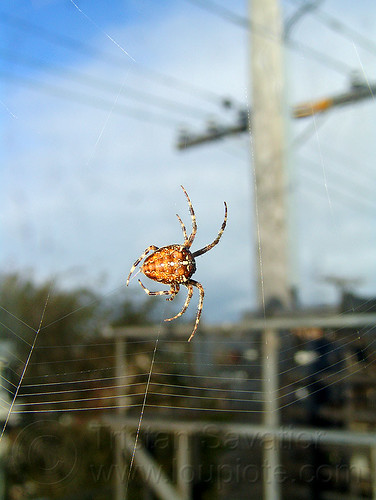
(342, 158)
(89, 50)
(354, 182)
(223, 12)
(338, 198)
(347, 195)
(243, 22)
(345, 162)
(106, 85)
(343, 193)
(95, 102)
(301, 11)
(320, 57)
(341, 28)
(308, 132)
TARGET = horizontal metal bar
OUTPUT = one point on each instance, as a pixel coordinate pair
(232, 330)
(297, 434)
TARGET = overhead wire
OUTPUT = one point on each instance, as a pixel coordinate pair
(346, 176)
(245, 23)
(361, 168)
(339, 193)
(92, 101)
(346, 31)
(225, 14)
(89, 50)
(165, 79)
(103, 84)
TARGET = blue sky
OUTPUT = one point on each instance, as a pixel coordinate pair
(91, 175)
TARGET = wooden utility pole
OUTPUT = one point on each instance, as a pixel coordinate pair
(271, 458)
(268, 151)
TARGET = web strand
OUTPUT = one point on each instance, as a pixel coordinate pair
(25, 367)
(142, 409)
(100, 29)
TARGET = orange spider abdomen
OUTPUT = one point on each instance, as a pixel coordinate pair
(171, 264)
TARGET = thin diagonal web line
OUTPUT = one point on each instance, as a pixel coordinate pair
(104, 32)
(142, 410)
(25, 367)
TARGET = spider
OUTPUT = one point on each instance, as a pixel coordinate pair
(175, 264)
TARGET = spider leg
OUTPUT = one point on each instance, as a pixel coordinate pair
(200, 303)
(188, 241)
(186, 304)
(209, 247)
(161, 292)
(173, 291)
(183, 228)
(149, 249)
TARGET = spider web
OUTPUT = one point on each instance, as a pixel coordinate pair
(216, 380)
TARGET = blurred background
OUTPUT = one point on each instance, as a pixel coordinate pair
(106, 109)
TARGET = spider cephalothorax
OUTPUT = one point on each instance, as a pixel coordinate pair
(175, 264)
